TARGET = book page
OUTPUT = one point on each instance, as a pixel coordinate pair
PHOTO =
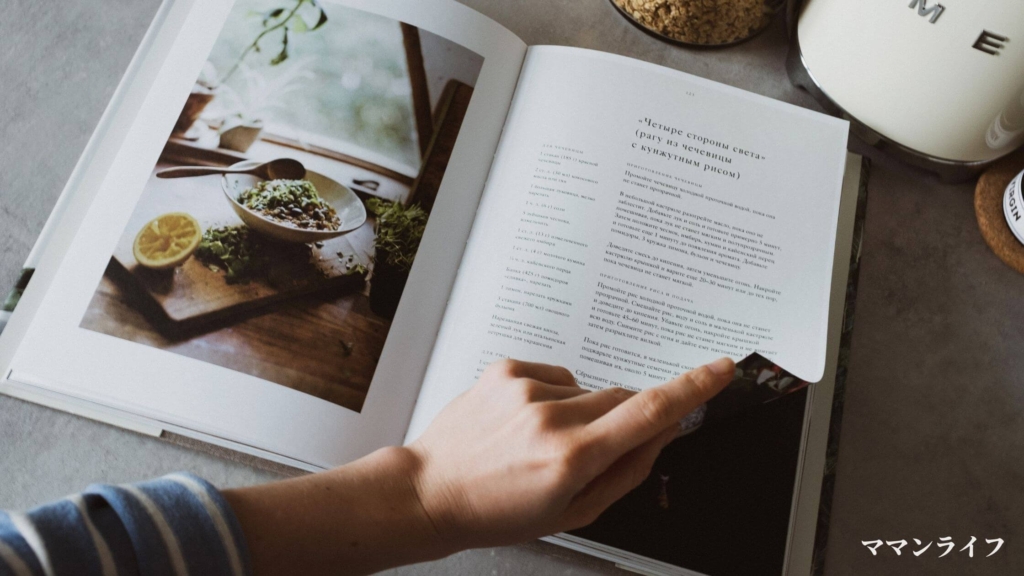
(639, 222)
(270, 318)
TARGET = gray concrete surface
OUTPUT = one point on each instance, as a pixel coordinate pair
(932, 433)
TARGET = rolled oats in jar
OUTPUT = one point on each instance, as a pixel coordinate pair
(701, 22)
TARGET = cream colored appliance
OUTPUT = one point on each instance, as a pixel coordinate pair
(938, 83)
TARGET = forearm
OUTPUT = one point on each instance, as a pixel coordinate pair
(356, 519)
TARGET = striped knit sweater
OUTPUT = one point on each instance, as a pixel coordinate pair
(175, 525)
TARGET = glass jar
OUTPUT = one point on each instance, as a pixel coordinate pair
(705, 23)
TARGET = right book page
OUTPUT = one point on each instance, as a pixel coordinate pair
(639, 222)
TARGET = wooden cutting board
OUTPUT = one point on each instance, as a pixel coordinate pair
(194, 294)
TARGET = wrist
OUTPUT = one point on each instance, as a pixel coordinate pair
(402, 471)
(359, 518)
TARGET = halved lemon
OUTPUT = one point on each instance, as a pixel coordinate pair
(167, 241)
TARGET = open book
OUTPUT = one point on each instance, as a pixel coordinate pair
(475, 199)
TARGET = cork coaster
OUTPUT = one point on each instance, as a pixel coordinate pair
(988, 207)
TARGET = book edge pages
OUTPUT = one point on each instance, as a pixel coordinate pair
(21, 386)
(812, 468)
(824, 501)
(621, 558)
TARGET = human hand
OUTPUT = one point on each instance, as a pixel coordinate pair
(522, 454)
(526, 452)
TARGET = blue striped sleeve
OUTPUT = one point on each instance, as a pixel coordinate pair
(175, 525)
(16, 555)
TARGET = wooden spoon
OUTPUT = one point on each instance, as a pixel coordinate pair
(280, 169)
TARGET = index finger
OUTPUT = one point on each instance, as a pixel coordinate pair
(650, 412)
(546, 373)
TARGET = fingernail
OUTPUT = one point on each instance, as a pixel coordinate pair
(723, 366)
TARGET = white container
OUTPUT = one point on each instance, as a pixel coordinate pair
(938, 82)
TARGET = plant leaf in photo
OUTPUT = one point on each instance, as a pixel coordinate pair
(283, 55)
(399, 230)
(284, 19)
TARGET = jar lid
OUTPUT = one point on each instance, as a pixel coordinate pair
(1013, 207)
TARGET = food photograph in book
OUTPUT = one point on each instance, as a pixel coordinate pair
(276, 232)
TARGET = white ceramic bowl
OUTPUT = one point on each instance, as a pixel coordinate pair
(346, 204)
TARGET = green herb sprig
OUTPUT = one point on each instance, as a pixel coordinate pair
(288, 19)
(235, 249)
(399, 230)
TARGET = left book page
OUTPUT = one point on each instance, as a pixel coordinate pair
(181, 301)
